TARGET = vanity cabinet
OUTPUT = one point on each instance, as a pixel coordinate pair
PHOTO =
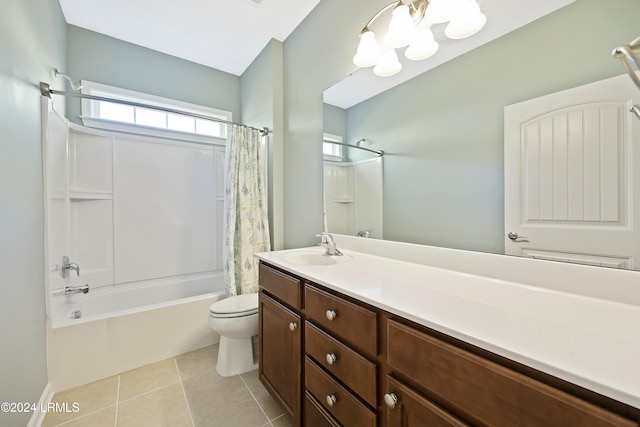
(280, 339)
(341, 351)
(347, 363)
(478, 390)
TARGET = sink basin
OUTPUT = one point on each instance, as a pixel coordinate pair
(308, 258)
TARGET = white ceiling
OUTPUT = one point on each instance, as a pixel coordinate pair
(223, 34)
(503, 16)
(229, 35)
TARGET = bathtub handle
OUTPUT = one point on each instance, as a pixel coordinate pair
(66, 266)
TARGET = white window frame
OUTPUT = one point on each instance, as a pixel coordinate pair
(91, 118)
(337, 154)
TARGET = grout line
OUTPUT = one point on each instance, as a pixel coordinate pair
(115, 422)
(255, 400)
(150, 391)
(83, 416)
(183, 392)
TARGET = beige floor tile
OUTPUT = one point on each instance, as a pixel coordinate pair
(163, 407)
(281, 421)
(102, 418)
(198, 361)
(262, 396)
(221, 402)
(147, 378)
(90, 398)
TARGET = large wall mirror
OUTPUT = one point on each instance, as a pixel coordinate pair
(443, 131)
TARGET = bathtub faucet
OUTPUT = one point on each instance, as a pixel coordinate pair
(70, 290)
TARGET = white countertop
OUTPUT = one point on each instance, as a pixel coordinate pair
(588, 340)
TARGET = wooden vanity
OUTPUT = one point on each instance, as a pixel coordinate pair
(330, 359)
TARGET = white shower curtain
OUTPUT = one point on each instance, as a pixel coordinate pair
(245, 204)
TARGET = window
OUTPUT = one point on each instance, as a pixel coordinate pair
(138, 119)
(331, 151)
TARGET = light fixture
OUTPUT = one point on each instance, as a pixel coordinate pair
(410, 27)
(75, 85)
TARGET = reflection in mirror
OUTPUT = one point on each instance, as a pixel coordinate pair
(352, 188)
(444, 130)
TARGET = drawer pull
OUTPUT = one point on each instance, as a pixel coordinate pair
(293, 326)
(331, 358)
(331, 399)
(331, 314)
(391, 400)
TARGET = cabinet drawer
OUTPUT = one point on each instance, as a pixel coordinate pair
(286, 288)
(488, 393)
(412, 408)
(356, 372)
(356, 325)
(344, 407)
(315, 415)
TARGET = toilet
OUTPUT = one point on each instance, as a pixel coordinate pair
(235, 319)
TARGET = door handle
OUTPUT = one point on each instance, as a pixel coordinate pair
(516, 238)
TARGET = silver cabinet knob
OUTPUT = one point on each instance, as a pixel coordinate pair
(293, 326)
(331, 358)
(331, 399)
(391, 400)
(331, 314)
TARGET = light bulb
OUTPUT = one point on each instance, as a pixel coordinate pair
(388, 64)
(368, 53)
(400, 28)
(467, 20)
(422, 46)
(440, 11)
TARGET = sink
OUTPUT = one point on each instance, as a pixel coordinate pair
(308, 258)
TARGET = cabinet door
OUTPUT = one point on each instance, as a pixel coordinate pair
(280, 355)
(407, 408)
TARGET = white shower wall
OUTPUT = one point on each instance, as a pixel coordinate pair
(353, 195)
(128, 208)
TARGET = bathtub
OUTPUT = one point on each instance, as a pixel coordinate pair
(114, 329)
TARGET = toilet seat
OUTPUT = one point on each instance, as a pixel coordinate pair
(235, 306)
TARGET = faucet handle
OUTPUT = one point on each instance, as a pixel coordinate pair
(324, 237)
(65, 266)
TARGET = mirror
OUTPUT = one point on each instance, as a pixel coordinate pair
(442, 131)
(353, 188)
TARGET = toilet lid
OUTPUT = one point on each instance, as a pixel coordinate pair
(239, 305)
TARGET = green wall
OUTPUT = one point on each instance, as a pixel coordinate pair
(103, 59)
(32, 42)
(443, 130)
(261, 92)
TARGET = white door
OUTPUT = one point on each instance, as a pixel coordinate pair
(572, 172)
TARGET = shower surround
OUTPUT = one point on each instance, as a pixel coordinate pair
(142, 218)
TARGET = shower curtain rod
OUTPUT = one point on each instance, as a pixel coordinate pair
(45, 90)
(378, 153)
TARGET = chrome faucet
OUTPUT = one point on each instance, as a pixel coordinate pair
(70, 290)
(66, 266)
(326, 241)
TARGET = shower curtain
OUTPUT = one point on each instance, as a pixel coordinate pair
(246, 227)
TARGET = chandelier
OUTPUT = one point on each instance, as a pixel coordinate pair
(410, 27)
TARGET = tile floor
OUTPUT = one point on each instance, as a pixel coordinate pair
(183, 391)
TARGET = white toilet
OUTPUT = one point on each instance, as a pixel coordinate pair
(235, 319)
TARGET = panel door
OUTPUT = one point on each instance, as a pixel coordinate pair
(571, 176)
(281, 355)
(407, 408)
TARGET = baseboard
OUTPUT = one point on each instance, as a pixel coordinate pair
(38, 416)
